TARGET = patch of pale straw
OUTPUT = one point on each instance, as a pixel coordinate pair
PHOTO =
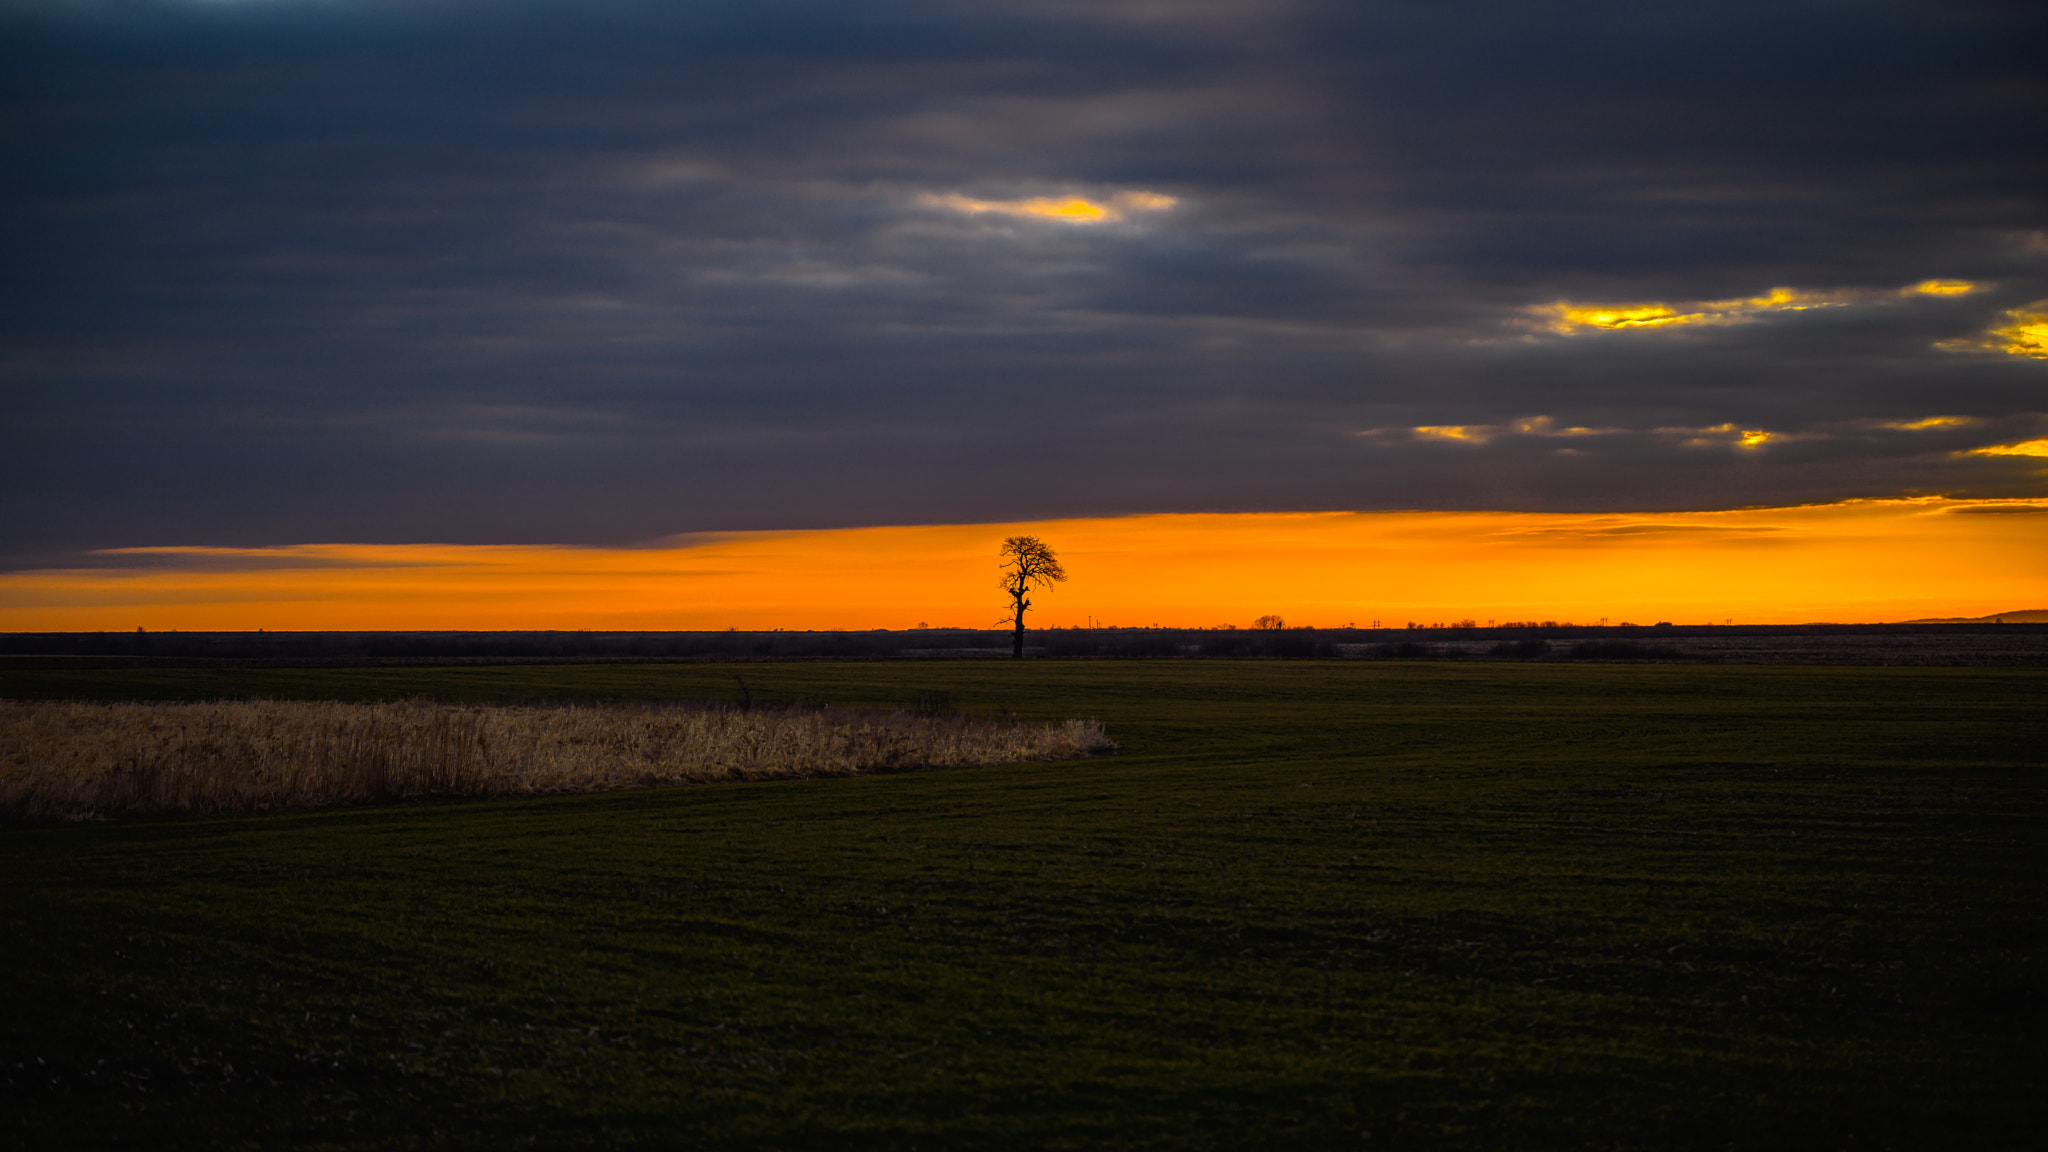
(75, 760)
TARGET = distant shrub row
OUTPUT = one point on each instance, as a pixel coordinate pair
(1534, 649)
(1099, 643)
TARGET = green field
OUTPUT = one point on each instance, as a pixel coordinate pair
(1324, 905)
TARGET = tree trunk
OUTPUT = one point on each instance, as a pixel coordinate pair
(1020, 597)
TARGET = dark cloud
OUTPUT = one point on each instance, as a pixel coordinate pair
(599, 272)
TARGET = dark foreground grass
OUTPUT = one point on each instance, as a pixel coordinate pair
(1309, 905)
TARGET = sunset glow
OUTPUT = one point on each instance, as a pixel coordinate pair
(1852, 562)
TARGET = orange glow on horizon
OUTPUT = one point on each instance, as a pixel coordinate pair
(1858, 561)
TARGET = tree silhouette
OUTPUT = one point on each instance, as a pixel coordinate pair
(1269, 623)
(1027, 564)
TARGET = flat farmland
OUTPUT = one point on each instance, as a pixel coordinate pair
(1335, 904)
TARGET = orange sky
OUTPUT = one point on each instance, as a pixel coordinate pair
(1858, 561)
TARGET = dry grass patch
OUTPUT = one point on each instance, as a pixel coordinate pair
(79, 760)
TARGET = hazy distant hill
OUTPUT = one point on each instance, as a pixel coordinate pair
(2030, 616)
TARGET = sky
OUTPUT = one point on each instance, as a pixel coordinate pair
(1844, 561)
(593, 282)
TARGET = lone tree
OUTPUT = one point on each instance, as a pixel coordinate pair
(1027, 564)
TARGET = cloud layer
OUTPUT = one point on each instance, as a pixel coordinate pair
(526, 272)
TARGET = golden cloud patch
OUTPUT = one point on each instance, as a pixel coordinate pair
(2024, 333)
(1941, 288)
(1568, 318)
(1460, 433)
(1928, 423)
(1727, 436)
(1059, 209)
(1545, 426)
(1571, 318)
(2023, 448)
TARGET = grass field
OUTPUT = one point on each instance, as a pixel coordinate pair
(1323, 905)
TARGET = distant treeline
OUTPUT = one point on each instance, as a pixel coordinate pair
(1525, 642)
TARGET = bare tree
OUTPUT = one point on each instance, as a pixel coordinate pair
(1027, 564)
(1269, 623)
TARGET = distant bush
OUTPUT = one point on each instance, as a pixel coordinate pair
(1406, 650)
(1622, 650)
(1520, 649)
(1229, 645)
(1265, 645)
(1131, 645)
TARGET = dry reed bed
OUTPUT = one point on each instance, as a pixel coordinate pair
(78, 760)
